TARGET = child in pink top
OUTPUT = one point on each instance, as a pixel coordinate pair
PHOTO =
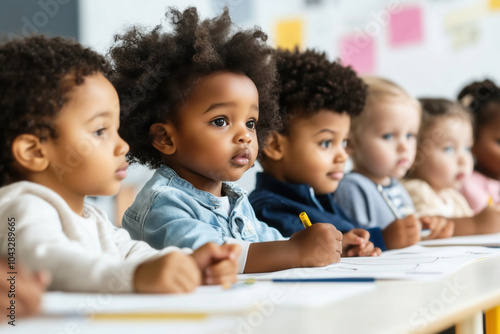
(478, 189)
(483, 186)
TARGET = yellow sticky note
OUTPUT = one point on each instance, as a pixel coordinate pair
(495, 4)
(289, 33)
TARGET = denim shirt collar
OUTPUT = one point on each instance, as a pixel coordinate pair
(203, 197)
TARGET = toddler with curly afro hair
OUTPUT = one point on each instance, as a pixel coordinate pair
(304, 161)
(198, 101)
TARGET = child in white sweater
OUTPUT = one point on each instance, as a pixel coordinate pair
(59, 134)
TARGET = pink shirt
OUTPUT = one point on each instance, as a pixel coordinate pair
(478, 188)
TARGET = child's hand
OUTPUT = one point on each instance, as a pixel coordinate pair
(317, 245)
(174, 272)
(488, 220)
(402, 232)
(30, 289)
(440, 227)
(218, 264)
(357, 242)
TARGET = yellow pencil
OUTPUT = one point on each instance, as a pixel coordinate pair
(305, 220)
(490, 201)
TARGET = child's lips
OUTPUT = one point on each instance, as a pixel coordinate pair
(460, 176)
(121, 172)
(242, 158)
(403, 162)
(336, 175)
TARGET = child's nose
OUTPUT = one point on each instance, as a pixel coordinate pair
(121, 147)
(403, 145)
(243, 136)
(461, 159)
(341, 156)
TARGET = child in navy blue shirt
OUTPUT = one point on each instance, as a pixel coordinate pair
(304, 162)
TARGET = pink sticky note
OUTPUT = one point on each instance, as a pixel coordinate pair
(405, 26)
(359, 52)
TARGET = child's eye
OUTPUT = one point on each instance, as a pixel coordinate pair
(344, 143)
(252, 124)
(219, 122)
(100, 132)
(448, 149)
(468, 149)
(325, 143)
(387, 136)
(410, 136)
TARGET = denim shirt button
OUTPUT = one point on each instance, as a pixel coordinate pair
(250, 227)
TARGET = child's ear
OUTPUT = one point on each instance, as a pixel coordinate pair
(163, 137)
(29, 153)
(274, 148)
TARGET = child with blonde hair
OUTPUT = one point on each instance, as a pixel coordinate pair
(59, 125)
(444, 161)
(483, 186)
(382, 146)
(200, 127)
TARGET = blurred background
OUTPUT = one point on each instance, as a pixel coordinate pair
(430, 47)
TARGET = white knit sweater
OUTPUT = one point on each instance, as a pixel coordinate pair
(82, 253)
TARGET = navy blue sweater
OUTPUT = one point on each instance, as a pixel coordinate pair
(279, 204)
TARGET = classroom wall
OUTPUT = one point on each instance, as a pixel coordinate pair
(431, 47)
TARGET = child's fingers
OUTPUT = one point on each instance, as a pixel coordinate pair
(221, 272)
(447, 230)
(411, 222)
(222, 268)
(232, 251)
(210, 253)
(42, 278)
(363, 234)
(29, 295)
(427, 222)
(367, 250)
(376, 252)
(352, 239)
(338, 235)
(221, 280)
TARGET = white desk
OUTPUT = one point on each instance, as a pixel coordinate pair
(393, 307)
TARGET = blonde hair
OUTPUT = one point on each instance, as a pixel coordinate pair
(381, 90)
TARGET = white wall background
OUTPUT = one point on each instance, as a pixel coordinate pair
(432, 67)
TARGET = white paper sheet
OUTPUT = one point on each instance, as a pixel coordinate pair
(206, 299)
(416, 262)
(490, 240)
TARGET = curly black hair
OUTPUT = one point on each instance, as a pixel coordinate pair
(308, 82)
(483, 100)
(36, 74)
(155, 72)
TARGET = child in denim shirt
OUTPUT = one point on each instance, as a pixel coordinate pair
(208, 95)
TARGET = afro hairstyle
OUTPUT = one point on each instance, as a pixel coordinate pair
(309, 82)
(483, 100)
(155, 72)
(36, 75)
